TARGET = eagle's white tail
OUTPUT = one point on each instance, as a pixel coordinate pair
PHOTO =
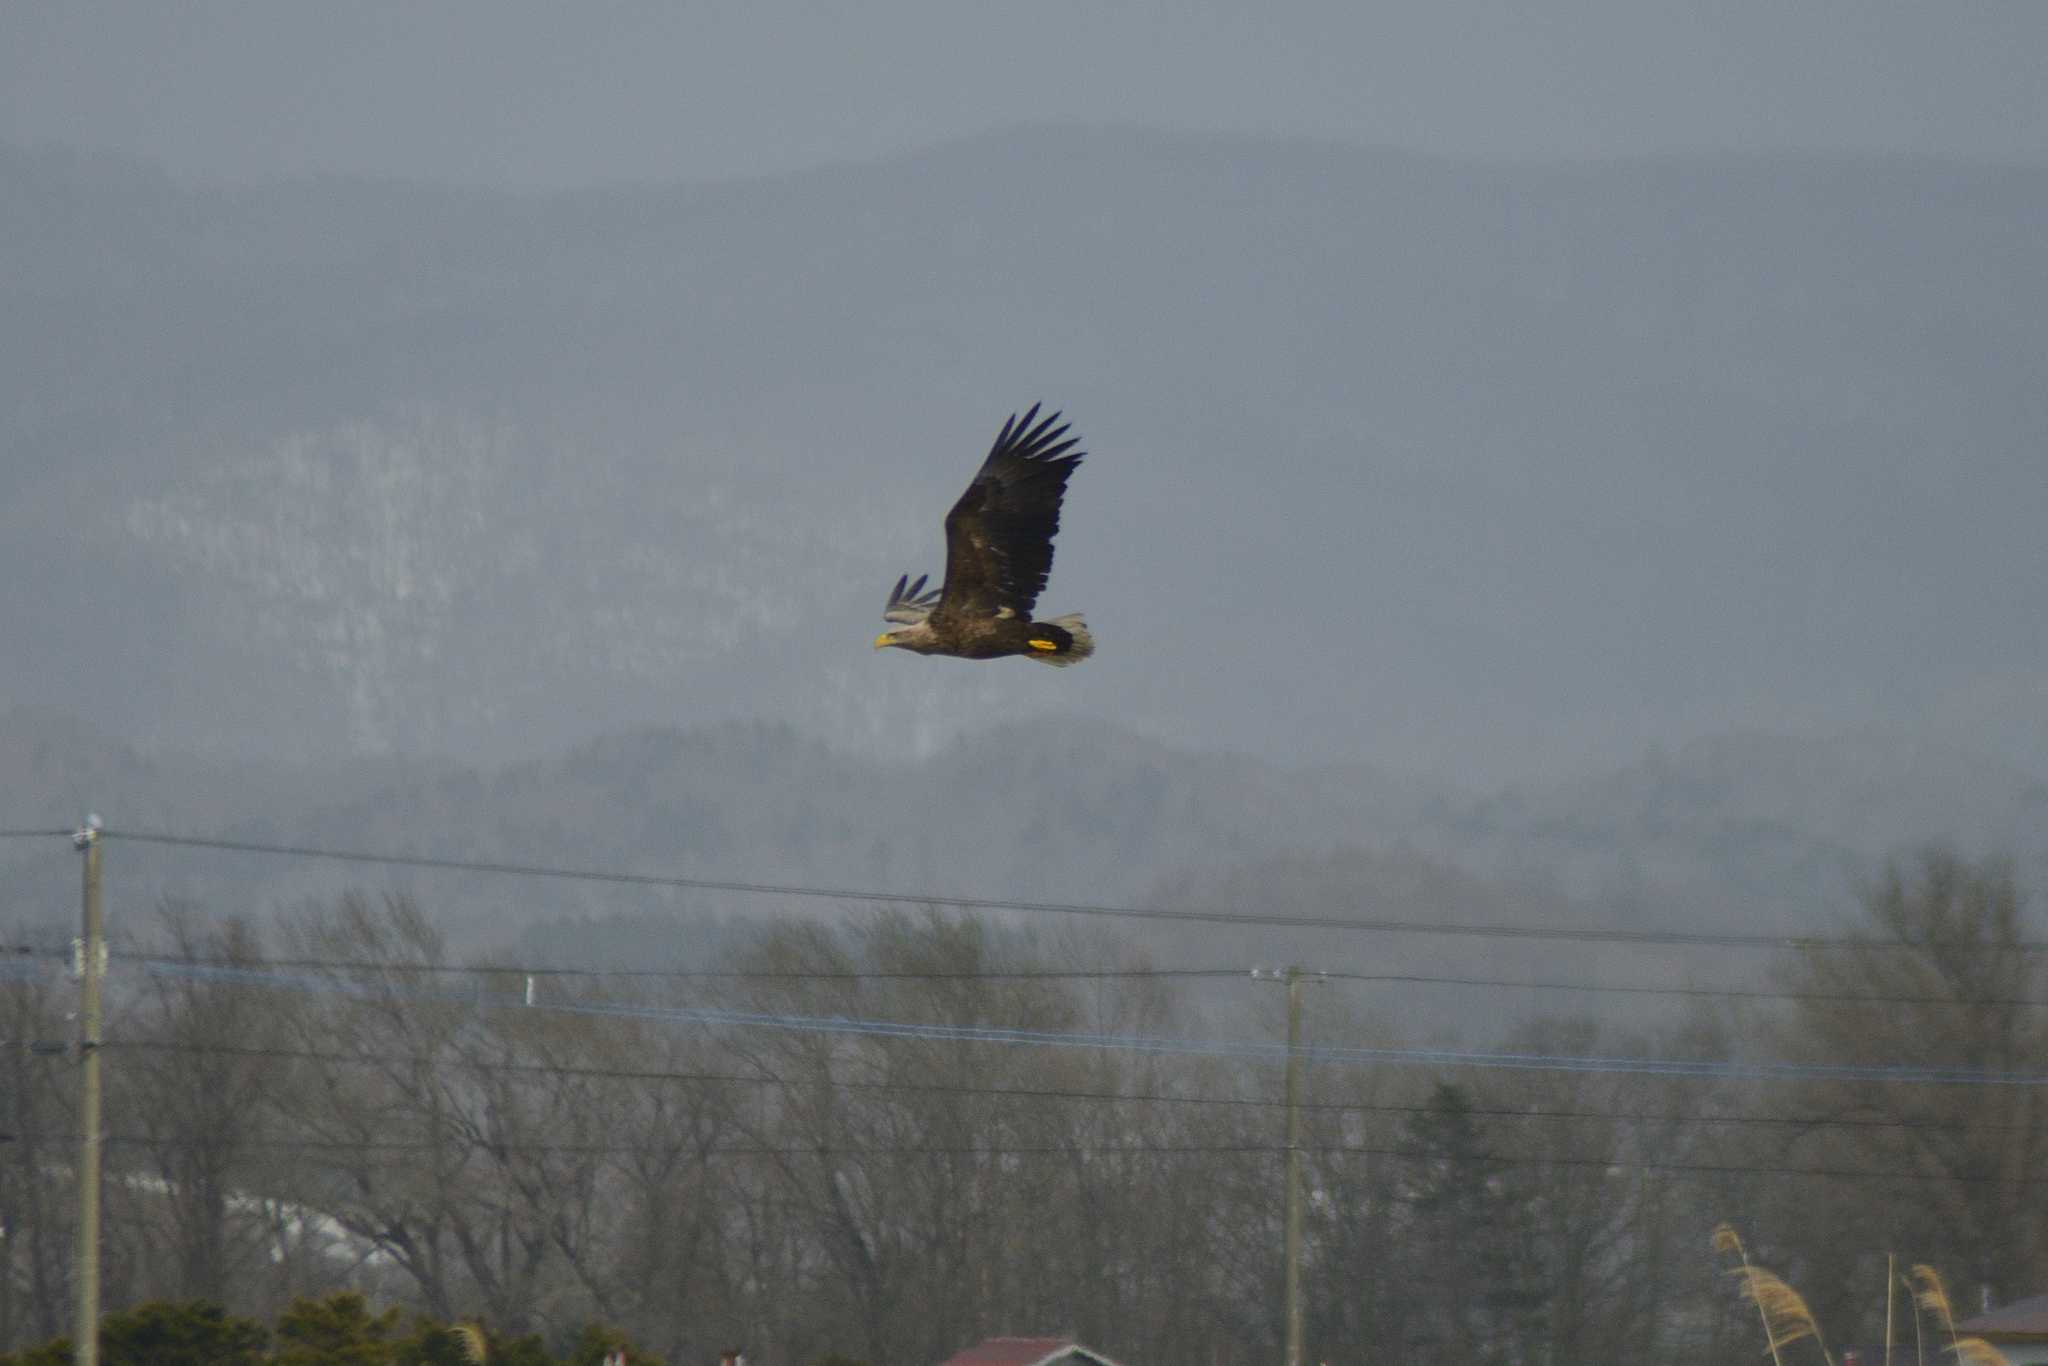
(1083, 644)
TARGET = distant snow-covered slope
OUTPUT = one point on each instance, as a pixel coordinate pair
(1470, 470)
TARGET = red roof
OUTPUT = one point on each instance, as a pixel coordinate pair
(1027, 1352)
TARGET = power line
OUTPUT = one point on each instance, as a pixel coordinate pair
(1067, 974)
(1035, 1093)
(1254, 1051)
(699, 974)
(1583, 934)
(36, 834)
(37, 1048)
(1647, 989)
(1066, 1150)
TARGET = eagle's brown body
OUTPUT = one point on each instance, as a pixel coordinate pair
(990, 638)
(998, 556)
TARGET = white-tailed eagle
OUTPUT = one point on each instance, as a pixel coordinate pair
(998, 554)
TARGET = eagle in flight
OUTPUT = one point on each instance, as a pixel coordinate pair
(998, 554)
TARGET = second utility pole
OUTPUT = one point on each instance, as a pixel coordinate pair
(1294, 977)
(92, 962)
(1294, 1167)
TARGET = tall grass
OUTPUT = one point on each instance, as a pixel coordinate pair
(475, 1346)
(1784, 1314)
(1931, 1296)
(1786, 1318)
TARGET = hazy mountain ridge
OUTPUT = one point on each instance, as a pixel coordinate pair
(1057, 810)
(1393, 458)
(1747, 832)
(1765, 822)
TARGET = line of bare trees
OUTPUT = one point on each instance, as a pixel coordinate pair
(891, 1199)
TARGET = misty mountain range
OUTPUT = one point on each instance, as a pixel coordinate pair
(1743, 833)
(1484, 473)
(1646, 543)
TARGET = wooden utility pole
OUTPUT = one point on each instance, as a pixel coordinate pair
(1294, 977)
(1294, 1167)
(92, 964)
(1891, 1283)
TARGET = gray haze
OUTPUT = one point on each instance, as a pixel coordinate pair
(1475, 472)
(1648, 536)
(511, 92)
(1557, 476)
(1743, 834)
(1489, 457)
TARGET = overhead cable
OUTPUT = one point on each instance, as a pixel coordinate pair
(505, 1147)
(1378, 925)
(1039, 1093)
(1063, 974)
(1248, 1050)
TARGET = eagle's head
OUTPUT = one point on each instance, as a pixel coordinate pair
(918, 637)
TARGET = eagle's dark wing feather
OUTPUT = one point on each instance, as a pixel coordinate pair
(999, 535)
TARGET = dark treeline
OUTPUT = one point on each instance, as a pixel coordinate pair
(339, 1330)
(359, 1122)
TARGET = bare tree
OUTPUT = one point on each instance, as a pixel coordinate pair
(191, 1080)
(37, 1227)
(374, 1100)
(1945, 985)
(656, 1253)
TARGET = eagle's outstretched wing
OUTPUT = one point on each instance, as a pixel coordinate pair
(909, 603)
(999, 535)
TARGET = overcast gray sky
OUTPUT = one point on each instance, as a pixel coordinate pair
(511, 92)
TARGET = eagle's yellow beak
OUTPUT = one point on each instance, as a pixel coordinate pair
(881, 640)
